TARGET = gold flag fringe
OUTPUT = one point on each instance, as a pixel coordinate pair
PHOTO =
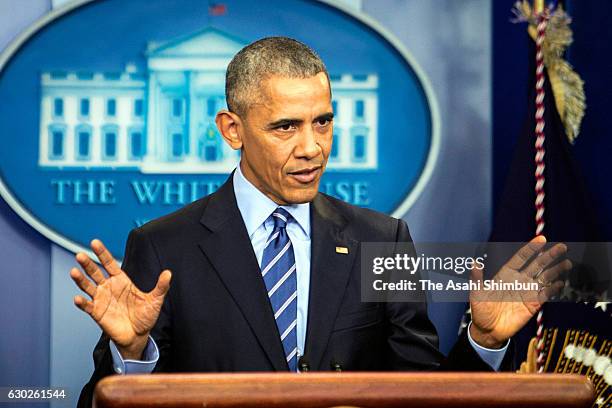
(566, 84)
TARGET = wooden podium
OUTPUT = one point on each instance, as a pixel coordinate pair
(381, 390)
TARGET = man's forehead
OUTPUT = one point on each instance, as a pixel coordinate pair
(283, 97)
(285, 87)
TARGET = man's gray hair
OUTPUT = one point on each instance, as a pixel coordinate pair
(258, 61)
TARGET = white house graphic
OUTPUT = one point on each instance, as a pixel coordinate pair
(162, 120)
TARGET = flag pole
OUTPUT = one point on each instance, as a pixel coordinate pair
(538, 6)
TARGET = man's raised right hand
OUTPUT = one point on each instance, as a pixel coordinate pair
(124, 313)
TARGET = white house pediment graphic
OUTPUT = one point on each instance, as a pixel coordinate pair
(207, 43)
(206, 50)
(162, 120)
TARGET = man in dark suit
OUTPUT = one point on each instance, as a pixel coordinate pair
(265, 271)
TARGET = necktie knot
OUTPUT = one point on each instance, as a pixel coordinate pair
(280, 217)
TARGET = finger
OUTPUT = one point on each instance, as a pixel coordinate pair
(541, 262)
(163, 284)
(82, 282)
(83, 304)
(552, 274)
(548, 292)
(105, 257)
(523, 255)
(90, 268)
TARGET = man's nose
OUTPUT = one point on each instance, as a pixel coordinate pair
(307, 147)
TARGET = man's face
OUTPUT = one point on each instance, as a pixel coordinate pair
(287, 137)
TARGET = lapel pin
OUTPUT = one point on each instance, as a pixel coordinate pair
(341, 250)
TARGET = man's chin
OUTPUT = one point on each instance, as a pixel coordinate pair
(302, 196)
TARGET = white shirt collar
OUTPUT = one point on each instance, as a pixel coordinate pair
(255, 207)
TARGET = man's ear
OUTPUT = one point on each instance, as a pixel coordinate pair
(228, 124)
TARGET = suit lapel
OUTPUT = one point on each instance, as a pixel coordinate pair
(229, 250)
(329, 274)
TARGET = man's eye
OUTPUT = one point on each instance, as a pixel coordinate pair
(323, 122)
(286, 128)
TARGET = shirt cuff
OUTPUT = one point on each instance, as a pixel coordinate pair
(144, 366)
(492, 357)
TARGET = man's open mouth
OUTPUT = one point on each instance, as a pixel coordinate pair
(306, 176)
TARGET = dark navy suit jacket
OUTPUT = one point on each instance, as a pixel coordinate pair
(217, 315)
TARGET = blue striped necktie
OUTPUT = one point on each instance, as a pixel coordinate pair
(278, 270)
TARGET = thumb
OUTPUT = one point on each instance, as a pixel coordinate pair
(476, 274)
(163, 284)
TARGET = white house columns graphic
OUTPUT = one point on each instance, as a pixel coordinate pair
(162, 120)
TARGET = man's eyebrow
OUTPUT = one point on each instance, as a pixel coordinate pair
(326, 116)
(293, 121)
(284, 122)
